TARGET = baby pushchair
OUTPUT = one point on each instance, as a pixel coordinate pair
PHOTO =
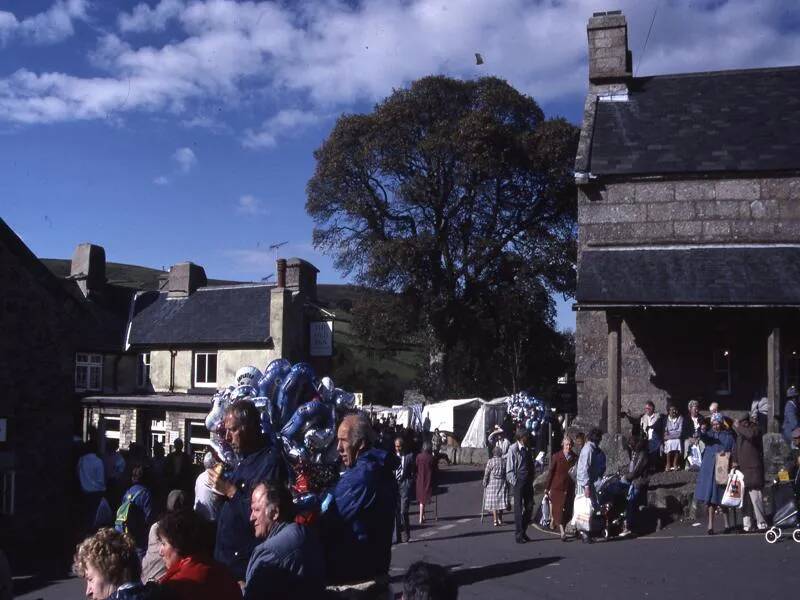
(784, 499)
(612, 498)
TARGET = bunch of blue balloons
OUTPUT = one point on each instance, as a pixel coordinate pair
(528, 411)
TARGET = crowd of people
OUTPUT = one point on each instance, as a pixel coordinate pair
(175, 531)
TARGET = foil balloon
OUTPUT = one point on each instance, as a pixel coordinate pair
(297, 388)
(248, 375)
(215, 418)
(243, 392)
(274, 375)
(344, 400)
(317, 440)
(326, 388)
(308, 413)
(224, 451)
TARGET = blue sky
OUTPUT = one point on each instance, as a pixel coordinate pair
(175, 130)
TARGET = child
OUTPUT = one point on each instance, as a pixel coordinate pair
(672, 438)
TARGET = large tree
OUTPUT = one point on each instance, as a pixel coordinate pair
(458, 198)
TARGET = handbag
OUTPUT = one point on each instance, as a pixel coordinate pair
(582, 511)
(546, 510)
(734, 490)
(721, 468)
(695, 457)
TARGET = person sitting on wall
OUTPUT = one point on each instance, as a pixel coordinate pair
(358, 524)
(260, 462)
(650, 427)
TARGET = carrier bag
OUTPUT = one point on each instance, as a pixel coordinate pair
(695, 457)
(546, 507)
(582, 514)
(734, 490)
(721, 468)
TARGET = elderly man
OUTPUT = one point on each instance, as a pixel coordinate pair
(591, 467)
(358, 524)
(260, 462)
(520, 475)
(404, 474)
(290, 561)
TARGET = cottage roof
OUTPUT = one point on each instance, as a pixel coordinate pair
(225, 315)
(746, 120)
(694, 276)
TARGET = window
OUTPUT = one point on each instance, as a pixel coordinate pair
(722, 372)
(199, 441)
(88, 372)
(205, 369)
(7, 491)
(143, 370)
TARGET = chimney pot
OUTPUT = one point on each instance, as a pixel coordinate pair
(301, 276)
(609, 58)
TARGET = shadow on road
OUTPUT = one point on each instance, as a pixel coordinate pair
(476, 574)
(508, 532)
(450, 477)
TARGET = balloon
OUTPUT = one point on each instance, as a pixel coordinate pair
(274, 375)
(296, 389)
(249, 375)
(318, 439)
(243, 392)
(224, 451)
(214, 419)
(326, 388)
(307, 413)
(344, 400)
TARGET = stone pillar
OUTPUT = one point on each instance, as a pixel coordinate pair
(773, 379)
(614, 388)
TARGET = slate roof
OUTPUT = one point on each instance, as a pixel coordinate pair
(229, 315)
(711, 276)
(722, 121)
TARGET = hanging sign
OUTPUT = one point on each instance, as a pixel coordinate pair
(321, 338)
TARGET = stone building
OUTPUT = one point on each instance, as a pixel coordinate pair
(689, 235)
(188, 339)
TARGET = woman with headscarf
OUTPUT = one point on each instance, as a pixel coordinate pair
(708, 491)
(495, 496)
(560, 487)
(109, 562)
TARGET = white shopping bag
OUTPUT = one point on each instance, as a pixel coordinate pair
(545, 520)
(695, 457)
(582, 511)
(734, 490)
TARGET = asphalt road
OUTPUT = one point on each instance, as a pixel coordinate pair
(676, 562)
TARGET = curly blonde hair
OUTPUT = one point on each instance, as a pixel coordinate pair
(111, 553)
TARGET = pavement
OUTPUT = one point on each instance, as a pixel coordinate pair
(679, 561)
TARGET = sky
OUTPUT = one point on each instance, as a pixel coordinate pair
(175, 130)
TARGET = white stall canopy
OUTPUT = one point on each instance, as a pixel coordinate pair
(489, 414)
(453, 416)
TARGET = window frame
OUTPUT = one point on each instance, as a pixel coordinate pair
(718, 369)
(92, 362)
(143, 370)
(195, 361)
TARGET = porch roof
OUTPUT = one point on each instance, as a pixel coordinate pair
(727, 276)
(201, 403)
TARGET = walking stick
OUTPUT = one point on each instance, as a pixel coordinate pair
(483, 499)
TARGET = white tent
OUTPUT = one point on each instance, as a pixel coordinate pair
(450, 415)
(489, 414)
(410, 417)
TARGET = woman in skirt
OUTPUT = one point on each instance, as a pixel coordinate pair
(672, 438)
(561, 487)
(495, 496)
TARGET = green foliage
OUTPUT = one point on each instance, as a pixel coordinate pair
(457, 197)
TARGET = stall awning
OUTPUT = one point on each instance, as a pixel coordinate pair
(732, 276)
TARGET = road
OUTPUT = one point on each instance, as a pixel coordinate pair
(676, 562)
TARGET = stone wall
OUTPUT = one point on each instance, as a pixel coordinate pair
(688, 211)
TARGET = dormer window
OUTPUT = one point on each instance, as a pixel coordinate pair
(205, 369)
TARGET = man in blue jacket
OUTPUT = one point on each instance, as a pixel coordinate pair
(358, 524)
(260, 462)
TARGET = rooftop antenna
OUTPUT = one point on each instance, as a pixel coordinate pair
(275, 248)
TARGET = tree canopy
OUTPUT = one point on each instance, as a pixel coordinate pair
(458, 198)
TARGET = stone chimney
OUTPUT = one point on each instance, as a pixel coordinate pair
(609, 57)
(301, 276)
(184, 279)
(88, 268)
(280, 269)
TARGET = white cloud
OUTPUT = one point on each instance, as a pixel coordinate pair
(250, 205)
(327, 55)
(282, 124)
(186, 159)
(49, 27)
(161, 180)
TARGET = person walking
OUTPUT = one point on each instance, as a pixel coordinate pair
(135, 514)
(426, 468)
(591, 467)
(520, 476)
(495, 495)
(707, 490)
(790, 414)
(92, 480)
(748, 457)
(560, 487)
(404, 474)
